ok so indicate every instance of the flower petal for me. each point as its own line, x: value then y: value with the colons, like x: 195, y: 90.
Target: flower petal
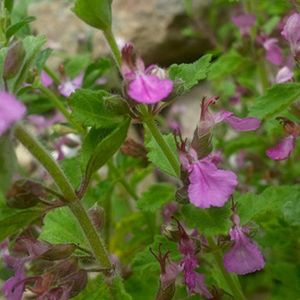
x: 46, y: 80
x: 210, y: 186
x: 284, y: 75
x: 11, y: 111
x: 291, y: 32
x: 149, y: 89
x: 283, y: 149
x: 244, y: 257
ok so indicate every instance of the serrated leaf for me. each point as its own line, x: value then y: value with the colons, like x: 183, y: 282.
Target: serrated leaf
x: 97, y: 108
x: 157, y: 156
x: 156, y: 196
x: 60, y: 227
x: 107, y: 148
x: 273, y: 198
x: 96, y: 13
x: 277, y: 99
x: 190, y: 74
x: 7, y: 162
x: 211, y: 221
x: 13, y: 29
x: 226, y: 65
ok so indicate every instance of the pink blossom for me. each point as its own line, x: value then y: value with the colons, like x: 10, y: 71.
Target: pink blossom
x: 283, y: 149
x: 244, y: 22
x: 144, y: 85
x: 244, y: 257
x: 291, y: 33
x: 11, y: 111
x: 68, y: 87
x: 284, y: 75
x: 209, y: 186
x: 41, y: 123
x: 273, y: 52
x: 46, y: 80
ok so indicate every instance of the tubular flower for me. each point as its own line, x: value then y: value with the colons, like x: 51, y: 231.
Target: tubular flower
x: 284, y: 75
x: 273, y: 52
x: 144, y: 85
x: 244, y: 22
x: 285, y: 147
x: 70, y: 86
x: 244, y: 257
x: 291, y: 33
x: 11, y: 111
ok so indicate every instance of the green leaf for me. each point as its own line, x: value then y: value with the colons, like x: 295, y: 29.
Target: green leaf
x: 42, y: 58
x: 13, y: 29
x: 277, y: 99
x: 107, y: 147
x: 71, y: 167
x: 118, y: 289
x: 190, y: 74
x: 13, y: 220
x: 97, y: 108
x: 7, y: 162
x: 273, y: 198
x: 157, y: 156
x: 60, y: 227
x: 9, y: 4
x: 226, y: 65
x: 96, y: 13
x: 156, y: 196
x: 209, y: 221
x: 75, y: 65
x: 32, y: 46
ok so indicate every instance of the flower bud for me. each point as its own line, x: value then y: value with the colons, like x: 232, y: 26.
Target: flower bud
x: 97, y: 216
x: 171, y: 231
x: 59, y: 251
x: 24, y: 194
x: 13, y: 61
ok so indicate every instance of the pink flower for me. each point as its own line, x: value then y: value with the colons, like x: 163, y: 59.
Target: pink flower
x: 144, y: 86
x: 273, y: 52
x: 70, y: 86
x: 209, y: 186
x: 244, y: 257
x: 284, y: 75
x: 209, y: 119
x: 11, y: 111
x: 291, y: 32
x: 46, y: 80
x: 244, y: 22
x: 283, y: 149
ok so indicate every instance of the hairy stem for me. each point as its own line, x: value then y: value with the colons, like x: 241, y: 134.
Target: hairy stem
x: 113, y: 46
x: 70, y: 197
x: 149, y: 122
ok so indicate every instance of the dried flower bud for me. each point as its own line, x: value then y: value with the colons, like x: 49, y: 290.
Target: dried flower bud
x: 97, y: 216
x: 171, y: 231
x: 134, y: 149
x: 59, y: 251
x: 181, y: 195
x: 24, y: 194
x: 14, y: 59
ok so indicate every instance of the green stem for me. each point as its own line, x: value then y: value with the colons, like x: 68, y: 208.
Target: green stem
x: 52, y: 74
x: 113, y: 46
x: 40, y: 153
x: 263, y: 76
x: 60, y: 106
x: 149, y: 121
x: 231, y: 280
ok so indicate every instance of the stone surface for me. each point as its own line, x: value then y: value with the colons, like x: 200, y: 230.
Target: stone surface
x: 154, y: 26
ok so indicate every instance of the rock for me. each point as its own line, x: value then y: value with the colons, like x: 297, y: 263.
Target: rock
x: 154, y: 26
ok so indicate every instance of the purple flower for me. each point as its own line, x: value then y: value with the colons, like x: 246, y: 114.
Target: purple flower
x: 209, y: 186
x: 244, y: 257
x: 209, y: 119
x: 144, y: 84
x: 291, y: 32
x: 239, y: 124
x: 244, y: 22
x: 14, y: 287
x: 273, y: 52
x: 46, y: 80
x: 11, y: 111
x: 283, y: 149
x: 284, y: 75
x: 68, y: 87
x: 41, y: 123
